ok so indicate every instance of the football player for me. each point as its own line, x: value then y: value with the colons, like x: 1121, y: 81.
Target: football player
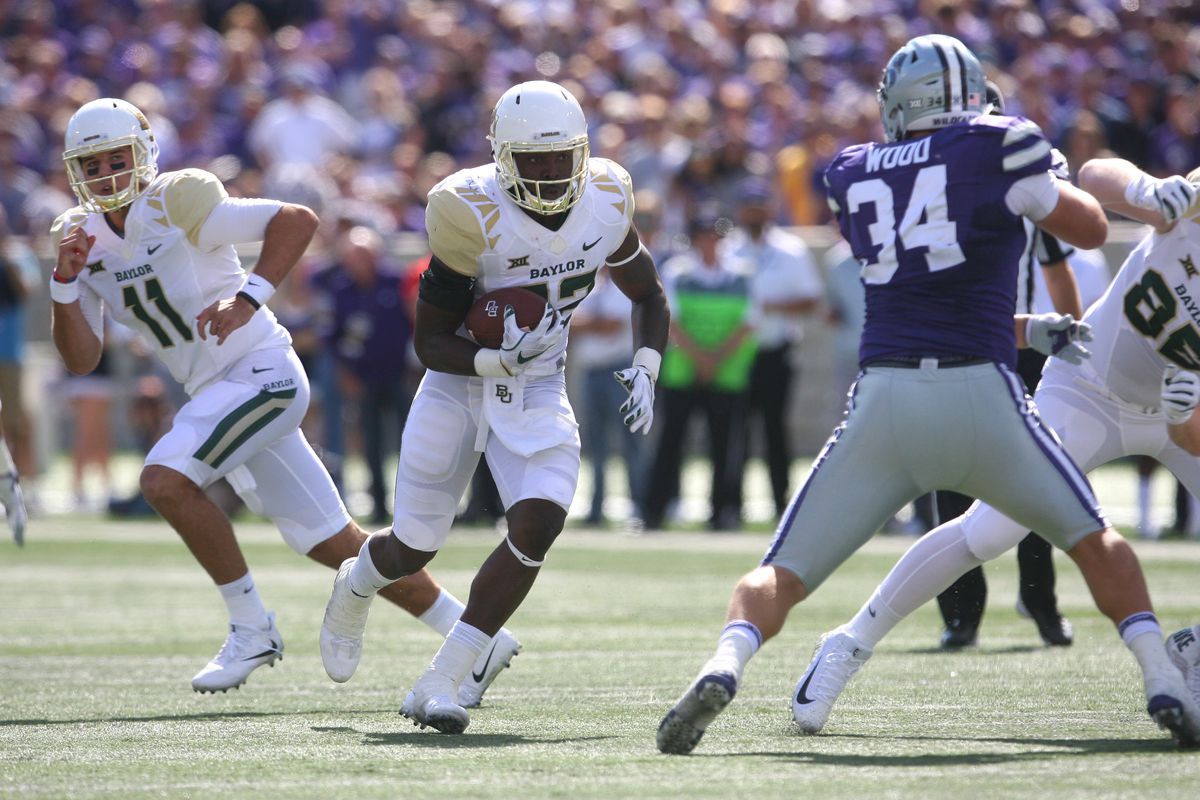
x: 157, y: 251
x: 546, y: 216
x: 1136, y: 395
x: 935, y: 217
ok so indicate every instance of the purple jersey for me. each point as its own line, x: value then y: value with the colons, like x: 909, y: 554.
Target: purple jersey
x: 939, y: 248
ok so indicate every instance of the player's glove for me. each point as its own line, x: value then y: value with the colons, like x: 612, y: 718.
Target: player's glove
x: 520, y: 347
x: 1059, y: 335
x: 1180, y: 394
x: 14, y: 506
x: 637, y: 412
x: 1171, y: 197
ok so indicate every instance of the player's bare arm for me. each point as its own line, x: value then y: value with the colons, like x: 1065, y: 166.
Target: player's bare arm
x: 76, y: 342
x: 445, y: 297
x: 287, y: 237
x: 1077, y: 218
x: 1121, y: 187
x: 638, y: 280
x: 1179, y: 396
x: 1063, y: 288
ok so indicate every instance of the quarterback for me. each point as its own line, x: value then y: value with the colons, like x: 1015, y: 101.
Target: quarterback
x: 1136, y: 395
x: 935, y: 215
x: 157, y: 253
x: 546, y: 216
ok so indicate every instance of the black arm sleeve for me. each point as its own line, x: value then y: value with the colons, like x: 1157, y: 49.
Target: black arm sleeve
x: 446, y: 289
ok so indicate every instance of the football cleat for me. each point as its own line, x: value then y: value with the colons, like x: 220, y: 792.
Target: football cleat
x: 1054, y: 628
x: 956, y: 637
x: 686, y: 722
x: 342, y: 630
x: 837, y: 658
x: 489, y: 664
x: 431, y: 703
x: 1183, y: 648
x: 245, y: 650
x: 14, y: 505
x: 1178, y: 715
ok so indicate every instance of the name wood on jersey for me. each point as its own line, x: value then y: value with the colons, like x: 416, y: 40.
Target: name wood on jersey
x: 888, y: 157
x: 557, y: 269
x: 136, y: 272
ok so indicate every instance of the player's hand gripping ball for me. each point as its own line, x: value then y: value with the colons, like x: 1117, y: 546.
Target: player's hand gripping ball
x: 485, y: 319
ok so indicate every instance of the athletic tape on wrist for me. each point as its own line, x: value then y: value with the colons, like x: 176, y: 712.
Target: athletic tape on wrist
x: 64, y: 293
x: 489, y: 365
x: 650, y: 360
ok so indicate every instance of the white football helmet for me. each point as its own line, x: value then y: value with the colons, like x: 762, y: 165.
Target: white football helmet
x: 102, y: 125
x: 931, y: 82
x: 539, y: 117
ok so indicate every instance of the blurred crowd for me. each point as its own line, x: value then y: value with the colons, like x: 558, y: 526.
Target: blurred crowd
x: 357, y: 107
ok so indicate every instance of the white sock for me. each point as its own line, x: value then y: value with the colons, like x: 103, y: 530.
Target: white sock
x: 739, y: 642
x: 244, y: 604
x: 454, y: 658
x: 1143, y: 501
x: 365, y: 580
x: 444, y: 612
x: 1144, y: 638
x: 873, y: 621
x: 935, y: 561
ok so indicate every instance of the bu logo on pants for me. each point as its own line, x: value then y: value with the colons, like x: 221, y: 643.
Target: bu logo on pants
x: 503, y: 393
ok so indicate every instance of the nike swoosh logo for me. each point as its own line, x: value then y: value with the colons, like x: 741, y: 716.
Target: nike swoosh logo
x: 870, y: 611
x: 521, y: 359
x: 802, y: 698
x: 587, y: 247
x: 257, y: 370
x: 274, y: 649
x: 478, y: 676
x: 356, y: 594
x: 152, y: 250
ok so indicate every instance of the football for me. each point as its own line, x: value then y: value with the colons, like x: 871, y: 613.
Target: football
x: 485, y: 319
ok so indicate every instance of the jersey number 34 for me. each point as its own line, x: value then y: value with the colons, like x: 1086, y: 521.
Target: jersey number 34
x: 938, y: 232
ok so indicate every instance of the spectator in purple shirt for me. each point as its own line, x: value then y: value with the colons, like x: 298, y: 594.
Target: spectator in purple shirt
x: 367, y: 329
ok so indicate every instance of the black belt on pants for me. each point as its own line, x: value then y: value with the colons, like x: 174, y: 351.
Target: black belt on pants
x: 927, y: 362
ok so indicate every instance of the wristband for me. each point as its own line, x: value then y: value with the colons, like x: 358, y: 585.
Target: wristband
x: 650, y: 360
x: 257, y: 289
x: 489, y: 365
x: 65, y: 293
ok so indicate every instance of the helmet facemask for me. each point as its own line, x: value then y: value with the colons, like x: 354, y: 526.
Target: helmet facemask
x: 532, y: 194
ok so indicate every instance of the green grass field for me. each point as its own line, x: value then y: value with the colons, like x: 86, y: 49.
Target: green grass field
x: 102, y: 625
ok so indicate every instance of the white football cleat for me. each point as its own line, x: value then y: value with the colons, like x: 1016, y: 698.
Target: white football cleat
x: 245, y: 650
x: 431, y: 703
x: 682, y: 727
x: 489, y: 664
x: 14, y: 506
x: 837, y: 657
x: 342, y: 630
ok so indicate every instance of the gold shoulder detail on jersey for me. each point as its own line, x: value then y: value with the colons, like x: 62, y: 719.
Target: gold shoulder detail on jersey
x: 65, y: 222
x: 613, y: 179
x: 188, y: 197
x: 456, y: 226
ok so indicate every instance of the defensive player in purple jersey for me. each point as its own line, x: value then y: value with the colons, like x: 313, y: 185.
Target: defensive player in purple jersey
x: 935, y: 217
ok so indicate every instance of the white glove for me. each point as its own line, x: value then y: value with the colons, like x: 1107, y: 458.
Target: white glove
x: 1059, y: 335
x: 638, y: 410
x: 14, y: 506
x: 1180, y: 394
x: 521, y: 347
x: 1171, y: 197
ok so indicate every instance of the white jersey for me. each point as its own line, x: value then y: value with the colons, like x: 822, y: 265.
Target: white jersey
x: 156, y: 280
x: 1148, y: 318
x: 475, y: 228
